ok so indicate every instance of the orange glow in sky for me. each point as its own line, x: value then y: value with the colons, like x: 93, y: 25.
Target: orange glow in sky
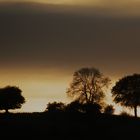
x: 41, y: 87
x: 38, y: 88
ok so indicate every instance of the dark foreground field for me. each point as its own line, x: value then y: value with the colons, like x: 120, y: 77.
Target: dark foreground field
x: 68, y: 126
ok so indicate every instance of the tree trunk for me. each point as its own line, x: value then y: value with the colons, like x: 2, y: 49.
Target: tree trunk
x: 135, y: 111
x: 6, y: 111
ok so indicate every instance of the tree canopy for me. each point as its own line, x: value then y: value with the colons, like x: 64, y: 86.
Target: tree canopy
x: 109, y: 109
x: 88, y: 85
x: 127, y: 92
x: 11, y: 98
x: 55, y: 107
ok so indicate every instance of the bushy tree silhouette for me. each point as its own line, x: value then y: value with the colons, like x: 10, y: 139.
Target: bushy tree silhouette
x: 125, y: 114
x: 87, y: 86
x: 74, y: 106
x: 92, y: 108
x: 10, y: 98
x: 55, y: 107
x: 109, y: 109
x: 127, y: 92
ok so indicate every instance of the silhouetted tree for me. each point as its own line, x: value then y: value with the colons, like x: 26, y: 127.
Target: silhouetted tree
x: 74, y: 106
x: 109, y: 109
x: 92, y: 108
x: 125, y: 114
x: 127, y: 92
x: 10, y: 98
x: 55, y: 107
x: 87, y: 86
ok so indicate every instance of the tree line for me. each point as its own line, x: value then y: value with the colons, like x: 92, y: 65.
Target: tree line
x: 87, y: 90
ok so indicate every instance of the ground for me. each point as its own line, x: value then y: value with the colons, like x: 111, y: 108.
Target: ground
x: 68, y: 126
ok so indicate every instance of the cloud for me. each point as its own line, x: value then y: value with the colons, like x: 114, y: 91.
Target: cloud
x: 32, y: 37
x: 94, y: 2
x: 81, y: 2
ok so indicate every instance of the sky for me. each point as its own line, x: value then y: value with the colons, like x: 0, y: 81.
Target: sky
x: 43, y: 42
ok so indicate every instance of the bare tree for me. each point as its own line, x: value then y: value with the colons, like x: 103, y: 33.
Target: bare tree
x: 88, y: 86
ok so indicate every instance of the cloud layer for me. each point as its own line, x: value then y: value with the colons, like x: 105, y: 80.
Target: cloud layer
x: 38, y: 36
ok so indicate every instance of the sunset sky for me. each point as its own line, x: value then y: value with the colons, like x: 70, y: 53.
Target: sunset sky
x: 42, y: 42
